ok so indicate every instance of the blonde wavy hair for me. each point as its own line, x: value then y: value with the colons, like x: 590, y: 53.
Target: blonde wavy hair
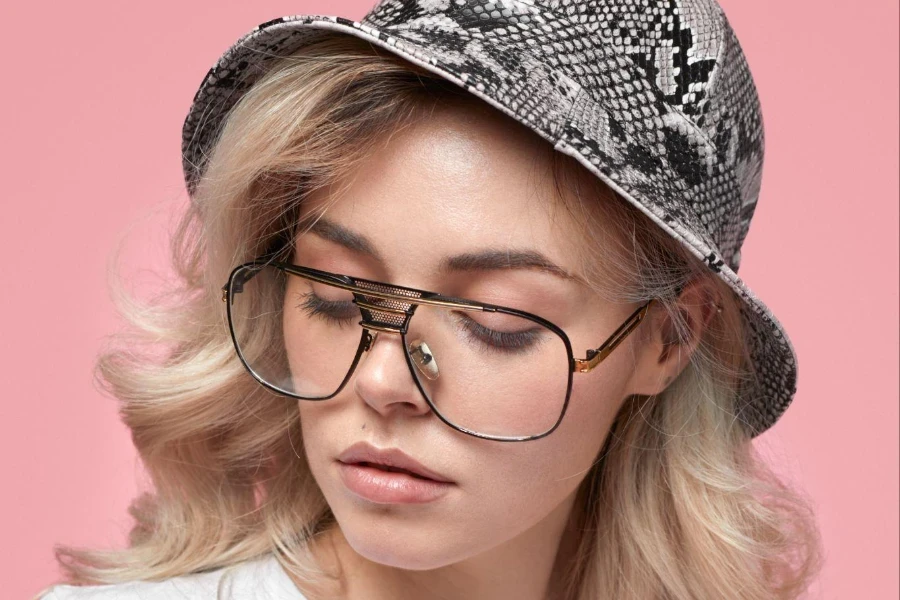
x: 678, y: 504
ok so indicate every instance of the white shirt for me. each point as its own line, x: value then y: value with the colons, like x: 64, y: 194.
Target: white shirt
x: 261, y: 579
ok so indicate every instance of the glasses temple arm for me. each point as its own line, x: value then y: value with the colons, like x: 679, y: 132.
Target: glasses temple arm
x: 595, y: 357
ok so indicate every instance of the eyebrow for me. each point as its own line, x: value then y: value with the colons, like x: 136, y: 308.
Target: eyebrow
x: 483, y: 260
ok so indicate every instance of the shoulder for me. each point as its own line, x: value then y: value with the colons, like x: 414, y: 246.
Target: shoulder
x: 262, y: 579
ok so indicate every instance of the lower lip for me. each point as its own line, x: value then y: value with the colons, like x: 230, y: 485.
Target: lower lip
x: 386, y: 487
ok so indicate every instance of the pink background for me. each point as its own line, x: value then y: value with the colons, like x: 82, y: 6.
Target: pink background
x: 93, y: 105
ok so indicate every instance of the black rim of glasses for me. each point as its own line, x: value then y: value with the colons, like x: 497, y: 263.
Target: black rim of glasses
x: 360, y: 288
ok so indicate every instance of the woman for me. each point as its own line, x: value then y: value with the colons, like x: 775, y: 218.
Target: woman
x: 455, y: 360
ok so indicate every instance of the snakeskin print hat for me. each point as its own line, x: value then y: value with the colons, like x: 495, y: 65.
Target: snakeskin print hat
x: 652, y: 96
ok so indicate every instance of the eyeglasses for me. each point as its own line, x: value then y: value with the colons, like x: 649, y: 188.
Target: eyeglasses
x: 489, y: 371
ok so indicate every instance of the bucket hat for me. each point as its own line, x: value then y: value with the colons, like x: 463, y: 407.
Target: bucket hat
x: 654, y: 97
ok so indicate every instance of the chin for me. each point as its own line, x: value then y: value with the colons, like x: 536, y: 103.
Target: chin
x: 410, y: 546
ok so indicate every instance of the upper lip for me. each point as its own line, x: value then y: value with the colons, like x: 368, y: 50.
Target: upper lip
x: 391, y: 457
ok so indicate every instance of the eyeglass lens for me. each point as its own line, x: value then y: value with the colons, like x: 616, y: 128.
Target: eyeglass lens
x: 491, y: 373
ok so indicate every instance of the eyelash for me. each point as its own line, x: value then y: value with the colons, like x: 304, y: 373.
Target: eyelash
x: 326, y: 310
x: 500, y: 341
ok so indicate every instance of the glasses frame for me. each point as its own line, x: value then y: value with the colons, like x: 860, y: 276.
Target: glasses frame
x: 593, y: 357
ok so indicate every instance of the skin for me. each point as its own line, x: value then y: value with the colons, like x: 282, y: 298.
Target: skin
x: 464, y: 179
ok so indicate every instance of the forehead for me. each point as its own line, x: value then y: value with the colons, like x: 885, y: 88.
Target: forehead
x: 460, y: 179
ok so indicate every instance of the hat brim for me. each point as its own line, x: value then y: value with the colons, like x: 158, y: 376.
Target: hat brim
x: 557, y: 109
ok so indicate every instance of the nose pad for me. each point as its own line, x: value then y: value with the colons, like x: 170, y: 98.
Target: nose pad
x: 381, y: 389
x: 423, y: 359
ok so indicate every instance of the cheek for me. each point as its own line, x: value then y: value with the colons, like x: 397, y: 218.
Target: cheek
x: 555, y: 465
x: 518, y: 484
x: 596, y: 399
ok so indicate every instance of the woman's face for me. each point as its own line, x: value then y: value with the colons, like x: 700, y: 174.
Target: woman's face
x: 460, y: 181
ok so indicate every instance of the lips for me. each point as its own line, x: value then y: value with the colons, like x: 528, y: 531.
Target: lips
x: 390, y: 469
x: 388, y: 459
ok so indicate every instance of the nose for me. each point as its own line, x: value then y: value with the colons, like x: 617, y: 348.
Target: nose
x: 382, y: 377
